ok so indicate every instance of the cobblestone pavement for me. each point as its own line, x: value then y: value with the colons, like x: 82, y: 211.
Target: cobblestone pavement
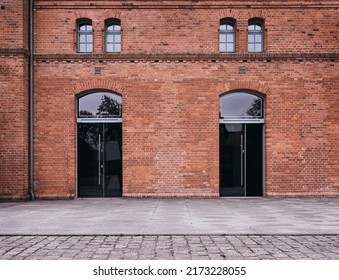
x: 214, y: 247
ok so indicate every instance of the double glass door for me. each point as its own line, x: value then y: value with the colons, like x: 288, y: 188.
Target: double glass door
x: 241, y: 159
x: 99, y: 159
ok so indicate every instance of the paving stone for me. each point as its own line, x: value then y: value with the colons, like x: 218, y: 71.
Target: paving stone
x: 165, y: 247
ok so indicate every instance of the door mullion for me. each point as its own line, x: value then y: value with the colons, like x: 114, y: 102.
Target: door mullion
x: 99, y: 160
x: 103, y: 160
x: 244, y: 162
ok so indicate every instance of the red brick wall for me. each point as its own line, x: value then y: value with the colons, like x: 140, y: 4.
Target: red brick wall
x: 287, y: 28
x: 13, y: 100
x: 13, y: 31
x: 170, y: 75
x: 171, y: 124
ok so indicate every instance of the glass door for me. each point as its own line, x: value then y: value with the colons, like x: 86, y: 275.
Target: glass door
x: 112, y: 159
x: 232, y: 160
x: 241, y: 119
x: 241, y: 160
x: 99, y: 159
x: 254, y: 160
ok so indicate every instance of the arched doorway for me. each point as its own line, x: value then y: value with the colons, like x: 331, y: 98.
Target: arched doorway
x: 99, y: 145
x: 241, y: 122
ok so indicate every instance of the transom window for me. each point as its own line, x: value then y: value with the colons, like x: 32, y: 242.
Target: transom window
x: 227, y: 35
x: 255, y: 35
x: 241, y: 105
x: 113, y: 36
x: 100, y: 105
x: 85, y: 36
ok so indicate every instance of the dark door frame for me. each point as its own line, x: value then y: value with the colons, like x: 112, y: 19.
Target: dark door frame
x: 246, y: 122
x: 101, y: 153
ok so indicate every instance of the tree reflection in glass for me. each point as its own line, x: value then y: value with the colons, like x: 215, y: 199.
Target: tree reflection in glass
x: 100, y: 105
x: 256, y: 108
x: 240, y: 105
x: 108, y: 107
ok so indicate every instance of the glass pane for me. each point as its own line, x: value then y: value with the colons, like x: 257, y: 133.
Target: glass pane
x: 229, y: 27
x: 83, y: 27
x: 117, y: 27
x: 109, y: 38
x: 254, y: 160
x: 240, y: 105
x: 117, y: 38
x: 109, y: 27
x: 230, y: 47
x: 250, y: 38
x: 89, y: 47
x: 88, y: 160
x: 231, y: 160
x: 113, y: 159
x: 89, y: 38
x: 257, y: 27
x: 109, y: 47
x: 222, y: 38
x: 258, y: 38
x: 99, y: 159
x: 258, y: 47
x: 251, y: 27
x: 82, y: 38
x: 223, y: 27
x: 100, y: 105
x: 222, y: 47
x: 230, y: 38
x: 117, y: 48
x: 251, y: 47
x: 82, y: 47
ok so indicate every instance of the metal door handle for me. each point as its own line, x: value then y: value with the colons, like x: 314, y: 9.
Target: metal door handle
x: 241, y: 160
x: 99, y: 160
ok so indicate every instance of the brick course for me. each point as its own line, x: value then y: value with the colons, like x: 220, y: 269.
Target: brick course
x: 170, y: 75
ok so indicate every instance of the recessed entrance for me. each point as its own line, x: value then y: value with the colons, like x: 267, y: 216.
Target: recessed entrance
x: 99, y: 155
x: 241, y: 144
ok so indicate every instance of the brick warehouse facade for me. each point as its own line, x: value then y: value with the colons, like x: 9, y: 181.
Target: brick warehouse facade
x: 171, y: 73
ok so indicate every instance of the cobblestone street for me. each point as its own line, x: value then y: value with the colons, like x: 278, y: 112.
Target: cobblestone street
x: 214, y: 247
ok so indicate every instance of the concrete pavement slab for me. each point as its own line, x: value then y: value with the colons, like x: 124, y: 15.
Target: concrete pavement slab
x: 171, y: 216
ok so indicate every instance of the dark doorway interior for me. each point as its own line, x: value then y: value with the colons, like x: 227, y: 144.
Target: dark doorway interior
x: 241, y: 160
x: 99, y: 159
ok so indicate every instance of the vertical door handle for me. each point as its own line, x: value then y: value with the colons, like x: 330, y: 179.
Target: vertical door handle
x: 241, y: 160
x: 99, y: 160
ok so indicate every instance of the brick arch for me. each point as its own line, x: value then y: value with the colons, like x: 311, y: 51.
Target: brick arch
x: 93, y: 85
x: 251, y: 86
x: 257, y: 14
x: 112, y: 14
x: 228, y: 14
x: 83, y: 14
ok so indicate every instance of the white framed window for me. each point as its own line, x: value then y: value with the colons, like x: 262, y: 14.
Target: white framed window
x: 255, y: 36
x: 113, y: 36
x: 85, y: 36
x: 227, y: 35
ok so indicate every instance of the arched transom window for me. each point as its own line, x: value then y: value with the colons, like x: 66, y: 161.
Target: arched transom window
x: 241, y: 105
x: 100, y: 105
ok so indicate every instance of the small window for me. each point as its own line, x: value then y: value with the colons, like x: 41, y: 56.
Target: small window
x: 113, y: 36
x: 255, y: 36
x: 85, y: 36
x: 100, y: 105
x: 241, y: 105
x: 227, y: 35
